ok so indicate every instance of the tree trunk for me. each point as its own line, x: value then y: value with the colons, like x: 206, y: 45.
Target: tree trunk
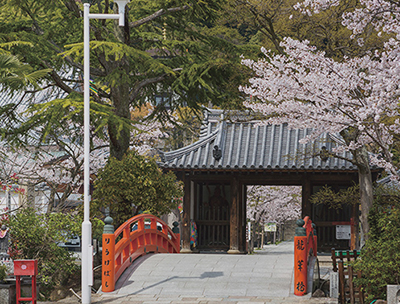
x: 120, y: 138
x: 253, y: 235
x: 366, y: 189
x: 50, y: 206
x: 361, y: 160
x: 258, y: 235
x: 262, y: 238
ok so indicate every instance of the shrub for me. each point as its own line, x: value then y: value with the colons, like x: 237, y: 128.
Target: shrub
x: 3, y: 272
x: 380, y: 257
x: 135, y: 184
x: 35, y: 236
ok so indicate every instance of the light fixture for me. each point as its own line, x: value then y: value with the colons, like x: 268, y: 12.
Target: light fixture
x: 121, y: 10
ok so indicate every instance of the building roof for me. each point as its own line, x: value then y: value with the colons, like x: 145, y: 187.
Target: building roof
x: 236, y: 144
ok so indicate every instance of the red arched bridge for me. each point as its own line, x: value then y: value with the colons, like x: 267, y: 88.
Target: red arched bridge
x: 138, y: 236
x: 269, y: 273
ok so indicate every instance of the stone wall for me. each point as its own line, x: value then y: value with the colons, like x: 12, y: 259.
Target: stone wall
x: 7, y: 294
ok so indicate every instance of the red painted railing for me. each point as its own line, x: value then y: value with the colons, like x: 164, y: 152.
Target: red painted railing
x: 305, y: 246
x: 138, y: 236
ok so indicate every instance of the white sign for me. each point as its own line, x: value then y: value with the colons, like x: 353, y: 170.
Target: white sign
x: 343, y: 232
x: 270, y: 227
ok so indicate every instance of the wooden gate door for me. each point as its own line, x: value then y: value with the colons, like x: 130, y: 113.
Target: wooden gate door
x: 212, y: 216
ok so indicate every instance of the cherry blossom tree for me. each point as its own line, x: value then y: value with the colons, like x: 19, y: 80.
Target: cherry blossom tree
x: 272, y: 204
x: 58, y: 163
x: 355, y: 100
x: 59, y: 171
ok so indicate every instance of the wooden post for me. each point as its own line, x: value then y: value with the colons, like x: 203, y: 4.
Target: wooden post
x: 306, y: 193
x: 333, y: 257
x: 242, y: 219
x: 108, y: 257
x: 186, y: 218
x: 234, y: 218
x: 351, y: 284
x: 342, y: 295
x: 300, y: 259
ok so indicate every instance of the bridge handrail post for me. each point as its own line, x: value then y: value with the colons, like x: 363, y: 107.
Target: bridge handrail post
x: 108, y: 256
x: 153, y: 223
x: 126, y: 232
x: 140, y: 224
x: 165, y: 229
x: 176, y: 231
x: 300, y: 259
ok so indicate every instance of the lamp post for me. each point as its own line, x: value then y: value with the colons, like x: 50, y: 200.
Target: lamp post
x: 87, y: 248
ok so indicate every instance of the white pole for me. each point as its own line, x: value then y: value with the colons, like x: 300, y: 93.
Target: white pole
x: 87, y: 267
x: 87, y: 248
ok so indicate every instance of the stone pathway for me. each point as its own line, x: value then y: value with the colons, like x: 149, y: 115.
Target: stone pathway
x: 266, y: 276
x: 269, y: 273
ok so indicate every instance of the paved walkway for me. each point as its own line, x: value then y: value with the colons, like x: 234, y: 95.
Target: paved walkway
x: 266, y: 276
x: 268, y: 273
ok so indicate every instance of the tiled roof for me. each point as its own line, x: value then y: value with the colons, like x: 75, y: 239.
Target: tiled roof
x: 229, y: 145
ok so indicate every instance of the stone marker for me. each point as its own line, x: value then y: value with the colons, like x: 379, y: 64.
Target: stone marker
x: 393, y: 294
x: 334, y: 285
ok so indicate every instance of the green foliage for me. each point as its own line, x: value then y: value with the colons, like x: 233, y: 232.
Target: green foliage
x: 15, y: 75
x: 380, y: 257
x: 97, y: 229
x: 3, y: 272
x: 135, y: 184
x: 52, y: 117
x: 166, y: 47
x: 35, y: 236
x: 266, y: 23
x: 336, y: 199
x: 185, y: 132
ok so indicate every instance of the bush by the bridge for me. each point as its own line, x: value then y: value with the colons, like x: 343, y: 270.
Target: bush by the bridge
x: 35, y: 236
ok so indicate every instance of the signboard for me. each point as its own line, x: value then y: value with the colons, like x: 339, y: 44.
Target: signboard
x: 270, y: 227
x: 343, y: 232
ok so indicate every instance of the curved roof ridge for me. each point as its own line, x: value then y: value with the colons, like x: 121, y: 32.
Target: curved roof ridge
x: 196, y: 145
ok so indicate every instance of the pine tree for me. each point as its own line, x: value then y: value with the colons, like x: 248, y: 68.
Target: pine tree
x: 165, y: 49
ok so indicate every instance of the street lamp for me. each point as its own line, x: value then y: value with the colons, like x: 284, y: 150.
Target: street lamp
x: 87, y: 248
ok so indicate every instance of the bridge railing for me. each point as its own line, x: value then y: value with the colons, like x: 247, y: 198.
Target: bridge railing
x: 138, y: 236
x: 305, y: 254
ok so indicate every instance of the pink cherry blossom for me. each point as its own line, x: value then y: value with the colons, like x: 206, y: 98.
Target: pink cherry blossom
x: 273, y: 204
x: 306, y: 89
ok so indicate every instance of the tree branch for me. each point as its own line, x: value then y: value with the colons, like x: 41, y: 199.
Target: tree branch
x: 58, y: 80
x: 72, y: 7
x: 135, y: 92
x: 156, y: 15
